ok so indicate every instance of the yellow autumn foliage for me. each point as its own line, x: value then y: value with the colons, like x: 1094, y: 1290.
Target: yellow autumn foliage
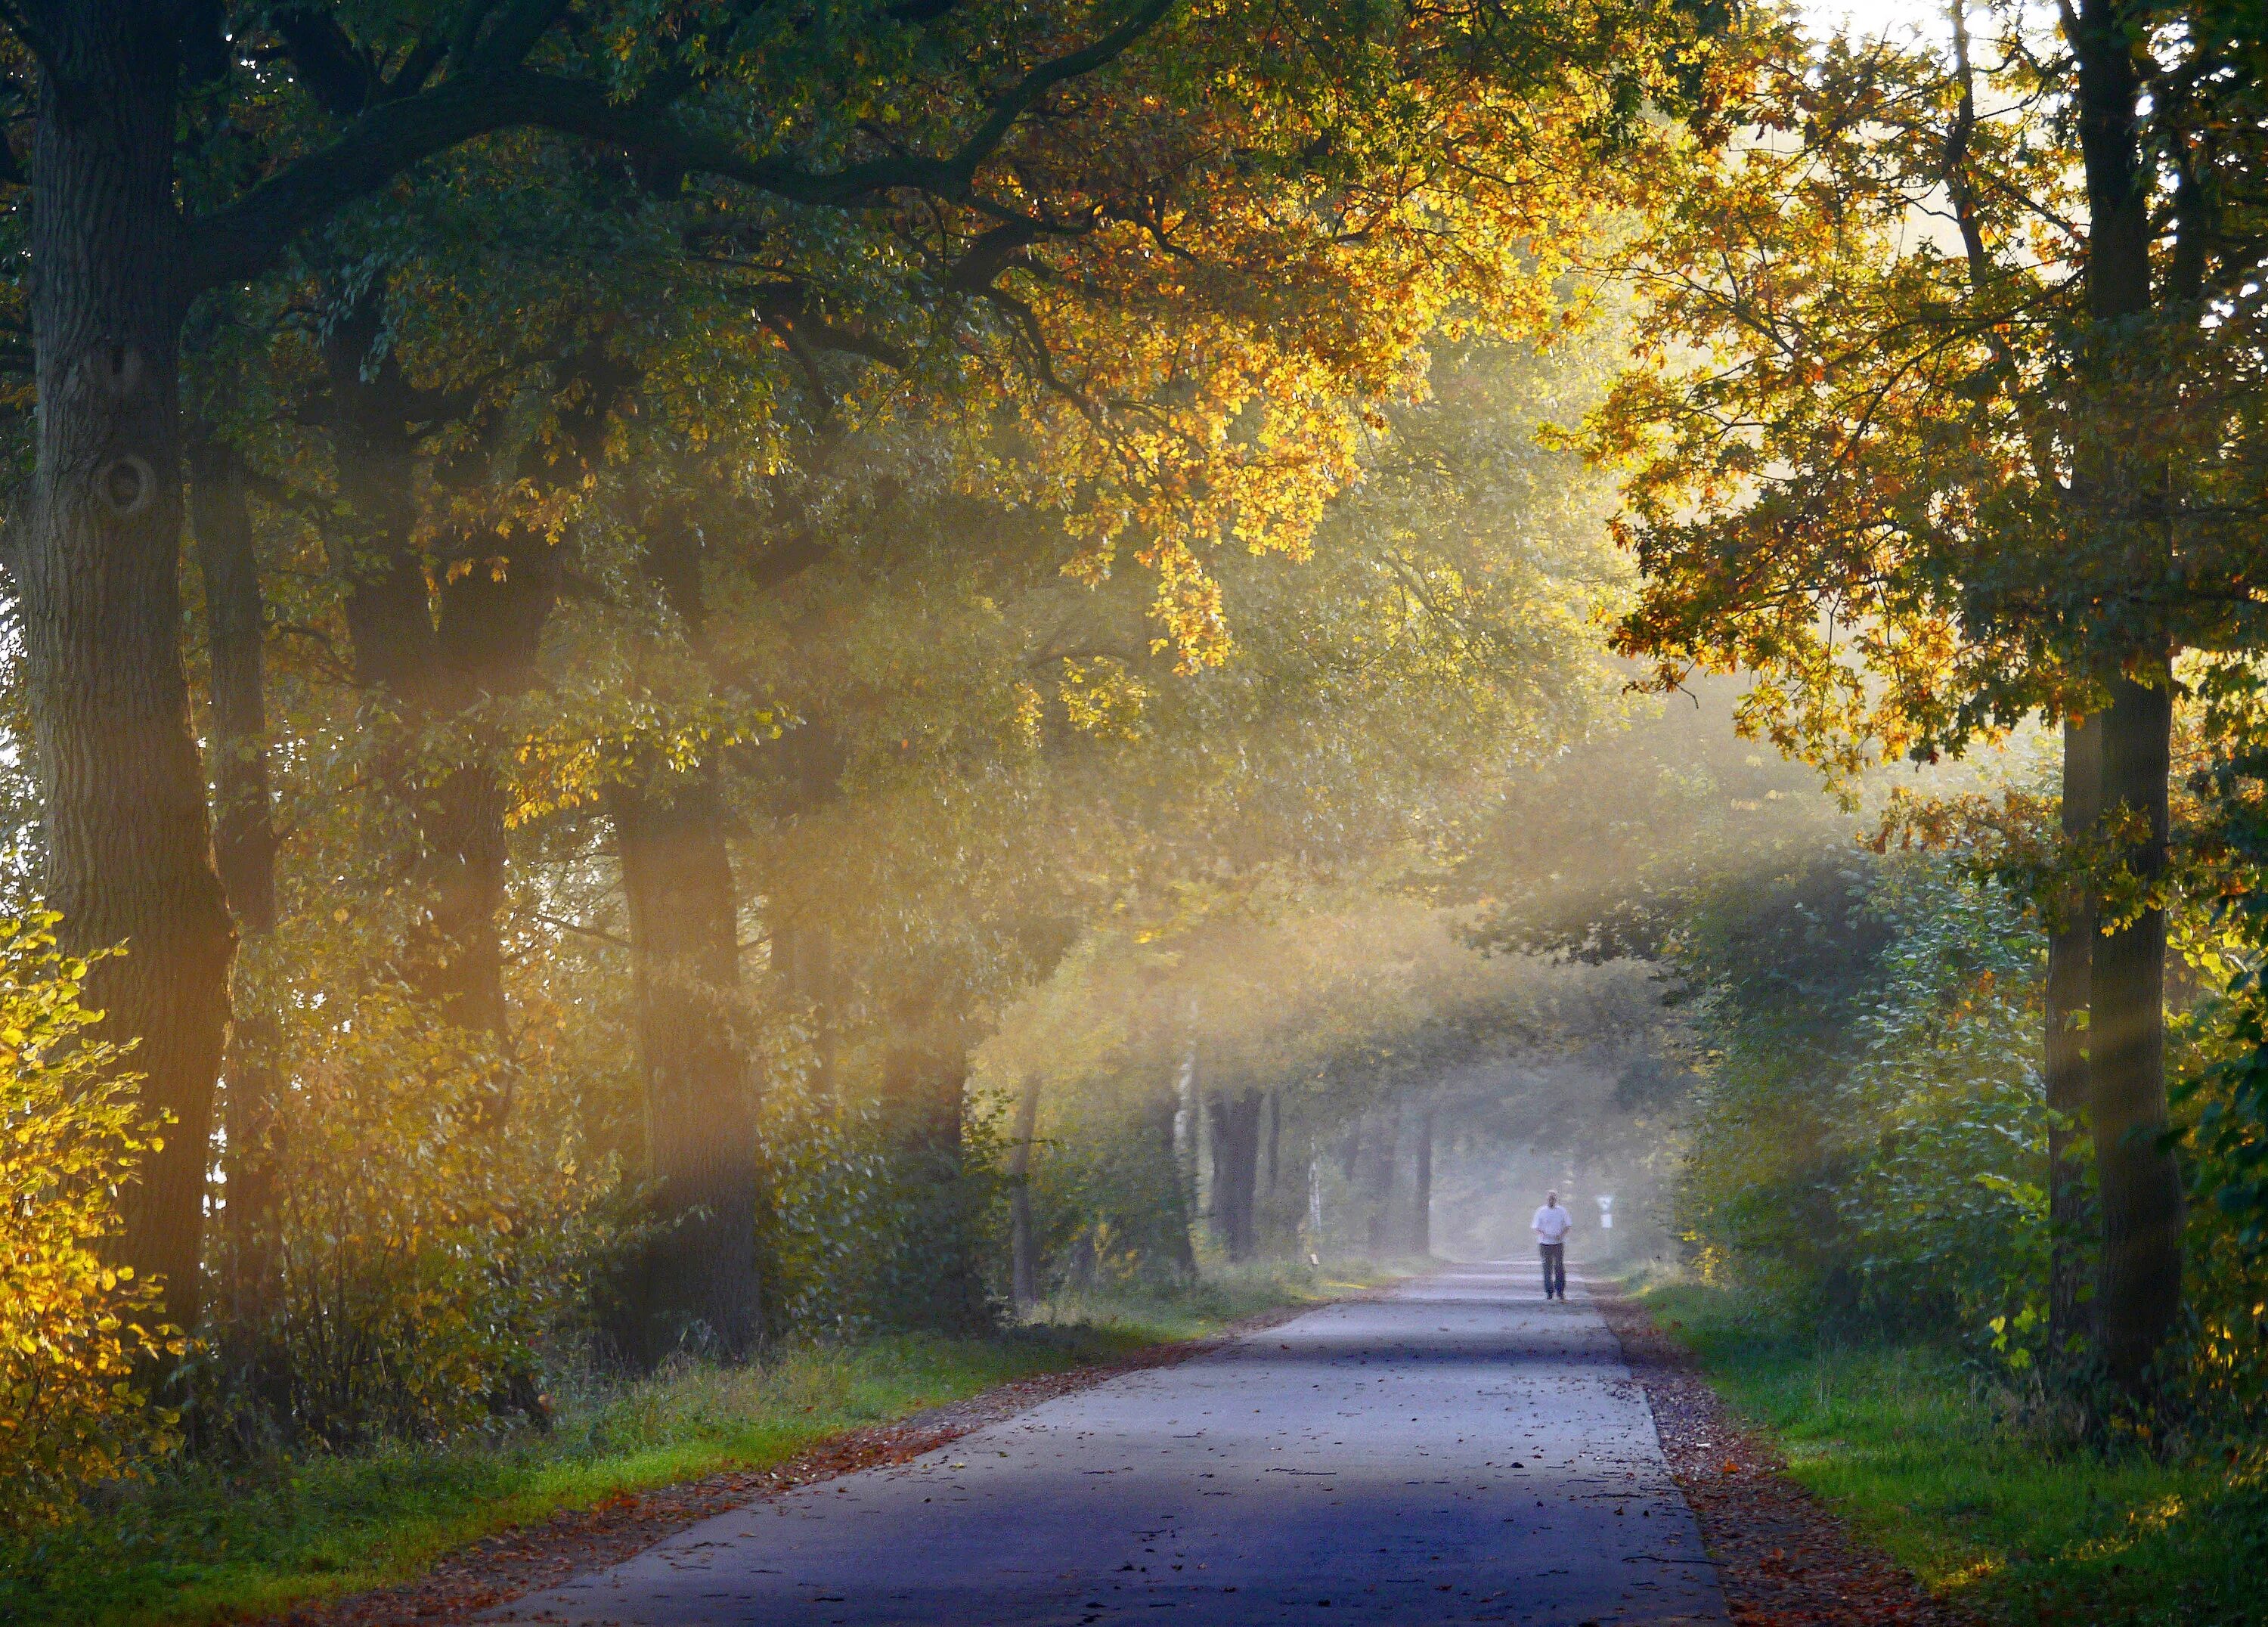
x: 438, y: 1210
x: 73, y: 1328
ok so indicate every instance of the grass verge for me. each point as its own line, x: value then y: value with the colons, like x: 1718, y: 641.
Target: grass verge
x: 202, y: 1545
x: 1942, y: 1473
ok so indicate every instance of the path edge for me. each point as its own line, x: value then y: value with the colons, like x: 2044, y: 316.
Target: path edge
x: 1784, y: 1558
x: 542, y: 1554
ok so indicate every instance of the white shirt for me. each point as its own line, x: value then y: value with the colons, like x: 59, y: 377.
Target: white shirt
x: 1553, y: 1223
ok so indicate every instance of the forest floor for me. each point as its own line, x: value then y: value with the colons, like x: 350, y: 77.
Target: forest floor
x: 1832, y: 1477
x: 411, y: 1534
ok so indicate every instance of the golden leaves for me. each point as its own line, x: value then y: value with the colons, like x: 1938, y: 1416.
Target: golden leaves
x: 71, y: 1327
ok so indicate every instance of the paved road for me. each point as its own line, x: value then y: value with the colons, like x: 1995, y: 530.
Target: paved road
x: 1456, y: 1451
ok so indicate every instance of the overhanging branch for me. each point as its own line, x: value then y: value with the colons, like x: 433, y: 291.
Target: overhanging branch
x: 243, y: 240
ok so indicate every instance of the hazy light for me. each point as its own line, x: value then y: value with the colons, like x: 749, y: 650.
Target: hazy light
x: 1878, y: 17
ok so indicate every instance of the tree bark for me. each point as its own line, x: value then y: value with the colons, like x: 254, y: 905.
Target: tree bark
x: 2140, y: 1184
x: 2070, y: 956
x: 441, y: 655
x: 1023, y: 1245
x: 701, y: 1094
x: 1383, y: 1147
x: 455, y: 822
x: 388, y: 601
x: 244, y: 852
x: 702, y: 1288
x: 1421, y: 1193
x: 95, y: 554
x: 486, y: 640
x: 2141, y: 1284
x: 1235, y: 1171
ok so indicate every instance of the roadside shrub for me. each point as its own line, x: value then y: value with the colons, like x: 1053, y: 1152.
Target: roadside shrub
x: 863, y: 1231
x: 74, y: 1328
x: 438, y: 1219
x: 2221, y: 1064
x: 1775, y: 972
x: 1947, y: 1206
x: 1870, y: 1135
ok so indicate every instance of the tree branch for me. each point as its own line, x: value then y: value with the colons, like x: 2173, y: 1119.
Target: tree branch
x: 524, y: 22
x: 579, y: 928
x: 243, y: 238
x: 1027, y: 91
x: 33, y: 38
x: 325, y: 61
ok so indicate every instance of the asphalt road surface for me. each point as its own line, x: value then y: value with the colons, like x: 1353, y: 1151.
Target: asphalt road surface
x: 1458, y: 1451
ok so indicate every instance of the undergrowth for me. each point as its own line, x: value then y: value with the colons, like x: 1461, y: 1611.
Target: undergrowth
x: 1968, y: 1485
x: 204, y: 1544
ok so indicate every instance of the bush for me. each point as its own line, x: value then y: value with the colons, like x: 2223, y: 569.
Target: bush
x: 75, y: 1327
x: 863, y: 1231
x: 1870, y: 1137
x: 1946, y: 1211
x: 438, y: 1219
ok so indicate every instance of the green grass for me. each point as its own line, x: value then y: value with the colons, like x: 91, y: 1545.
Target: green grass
x: 198, y: 1545
x: 1985, y: 1508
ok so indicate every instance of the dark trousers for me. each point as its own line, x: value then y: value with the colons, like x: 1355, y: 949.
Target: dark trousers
x: 1555, y: 1270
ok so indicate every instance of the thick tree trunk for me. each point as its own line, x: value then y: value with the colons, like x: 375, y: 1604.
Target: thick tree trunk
x: 456, y: 819
x: 2070, y: 955
x: 244, y: 852
x: 441, y: 661
x: 488, y: 634
x: 461, y: 970
x: 95, y: 553
x: 388, y: 601
x: 1236, y: 1171
x: 1023, y: 1245
x: 702, y: 1287
x: 2140, y: 1184
x: 1421, y: 1191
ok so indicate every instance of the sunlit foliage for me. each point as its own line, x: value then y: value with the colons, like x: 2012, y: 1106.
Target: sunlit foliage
x: 77, y: 1332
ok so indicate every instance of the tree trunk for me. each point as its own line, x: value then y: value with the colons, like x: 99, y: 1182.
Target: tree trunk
x: 2141, y: 1197
x: 456, y: 820
x: 388, y: 601
x: 1275, y: 1140
x: 804, y: 965
x: 1235, y: 1171
x: 1421, y: 1195
x: 244, y: 852
x: 2140, y: 1184
x: 1383, y: 1147
x: 1166, y: 1107
x: 95, y: 553
x: 924, y: 1088
x: 1023, y: 1246
x: 486, y: 640
x: 2069, y: 954
x: 701, y: 1287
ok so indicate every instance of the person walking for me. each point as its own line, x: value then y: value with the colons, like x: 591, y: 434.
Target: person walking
x: 1552, y: 1225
